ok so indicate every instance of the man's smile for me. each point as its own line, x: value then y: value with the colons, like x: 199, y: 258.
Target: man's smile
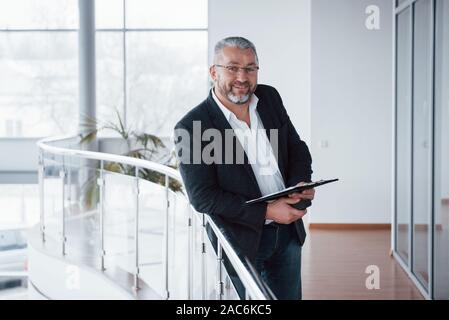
x: 240, y: 88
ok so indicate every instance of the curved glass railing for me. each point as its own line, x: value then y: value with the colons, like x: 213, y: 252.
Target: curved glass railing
x: 123, y: 224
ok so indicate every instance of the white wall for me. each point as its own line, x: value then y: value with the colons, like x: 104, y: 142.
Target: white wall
x: 351, y: 111
x: 335, y: 78
x: 18, y: 160
x: 18, y: 154
x: 281, y: 34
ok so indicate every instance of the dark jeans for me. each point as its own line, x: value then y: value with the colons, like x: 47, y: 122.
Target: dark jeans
x: 279, y: 261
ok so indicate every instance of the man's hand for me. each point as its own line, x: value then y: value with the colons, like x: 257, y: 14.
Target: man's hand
x: 281, y: 212
x: 306, y: 194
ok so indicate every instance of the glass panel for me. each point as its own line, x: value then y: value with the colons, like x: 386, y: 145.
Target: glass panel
x: 211, y: 271
x: 82, y: 218
x: 109, y: 65
x: 152, y: 235
x: 53, y: 202
x: 39, y: 14
x: 232, y: 282
x: 197, y: 280
x: 166, y: 14
x: 20, y: 211
x: 109, y: 14
x: 441, y: 199
x: 20, y: 205
x: 230, y: 292
x: 13, y: 252
x: 179, y: 245
x: 119, y: 221
x: 166, y: 77
x: 41, y: 70
x: 422, y: 139
x: 229, y: 275
x: 403, y: 134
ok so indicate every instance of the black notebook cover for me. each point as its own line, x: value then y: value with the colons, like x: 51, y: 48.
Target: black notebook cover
x: 287, y: 191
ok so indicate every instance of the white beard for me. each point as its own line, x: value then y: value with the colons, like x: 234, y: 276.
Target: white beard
x: 239, y: 100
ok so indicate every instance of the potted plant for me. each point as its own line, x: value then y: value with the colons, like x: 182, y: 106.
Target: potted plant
x: 139, y: 145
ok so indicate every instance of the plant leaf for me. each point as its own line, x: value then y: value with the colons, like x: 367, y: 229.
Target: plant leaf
x: 89, y: 137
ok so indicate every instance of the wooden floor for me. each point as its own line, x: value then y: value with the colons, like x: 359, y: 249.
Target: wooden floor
x: 334, y: 264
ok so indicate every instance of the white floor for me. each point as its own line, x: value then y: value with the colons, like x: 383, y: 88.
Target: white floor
x: 83, y: 234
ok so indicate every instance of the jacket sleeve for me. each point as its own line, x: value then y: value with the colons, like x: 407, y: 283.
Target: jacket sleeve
x: 204, y: 192
x: 299, y: 166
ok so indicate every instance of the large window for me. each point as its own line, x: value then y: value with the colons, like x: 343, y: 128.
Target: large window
x: 39, y: 69
x: 151, y: 64
x: 151, y: 61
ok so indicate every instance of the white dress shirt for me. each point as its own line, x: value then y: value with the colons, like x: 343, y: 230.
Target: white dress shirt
x: 257, y: 147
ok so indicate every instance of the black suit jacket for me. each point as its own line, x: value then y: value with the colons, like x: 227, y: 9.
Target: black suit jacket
x: 221, y: 190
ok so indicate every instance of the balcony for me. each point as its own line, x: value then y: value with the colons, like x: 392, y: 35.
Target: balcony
x: 108, y: 235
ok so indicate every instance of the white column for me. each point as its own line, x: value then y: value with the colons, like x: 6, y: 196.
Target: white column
x: 86, y: 41
x: 87, y: 89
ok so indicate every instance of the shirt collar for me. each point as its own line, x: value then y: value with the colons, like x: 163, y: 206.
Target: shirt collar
x: 228, y: 113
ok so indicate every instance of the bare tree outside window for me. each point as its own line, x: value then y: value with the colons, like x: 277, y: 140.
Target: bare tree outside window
x: 164, y: 72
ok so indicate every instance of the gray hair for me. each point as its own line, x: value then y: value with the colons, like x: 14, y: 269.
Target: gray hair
x: 238, y: 42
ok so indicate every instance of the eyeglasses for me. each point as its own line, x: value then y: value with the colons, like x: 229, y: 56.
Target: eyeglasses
x: 234, y: 69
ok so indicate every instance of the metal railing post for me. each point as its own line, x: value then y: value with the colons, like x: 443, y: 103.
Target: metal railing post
x: 100, y: 183
x: 41, y: 173
x: 62, y: 175
x: 136, y: 241
x: 190, y: 256
x: 219, y: 271
x: 167, y: 206
x: 203, y: 258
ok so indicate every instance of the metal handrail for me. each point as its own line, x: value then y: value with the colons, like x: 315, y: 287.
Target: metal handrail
x: 253, y: 291
x: 92, y: 155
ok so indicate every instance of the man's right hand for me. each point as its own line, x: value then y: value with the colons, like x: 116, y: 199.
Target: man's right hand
x: 281, y: 212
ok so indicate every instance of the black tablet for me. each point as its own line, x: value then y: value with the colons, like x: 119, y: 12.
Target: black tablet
x: 287, y: 191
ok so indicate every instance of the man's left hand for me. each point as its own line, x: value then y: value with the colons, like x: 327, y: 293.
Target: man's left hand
x: 306, y: 194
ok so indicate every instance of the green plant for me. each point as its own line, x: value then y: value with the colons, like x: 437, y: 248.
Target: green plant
x: 138, y: 145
